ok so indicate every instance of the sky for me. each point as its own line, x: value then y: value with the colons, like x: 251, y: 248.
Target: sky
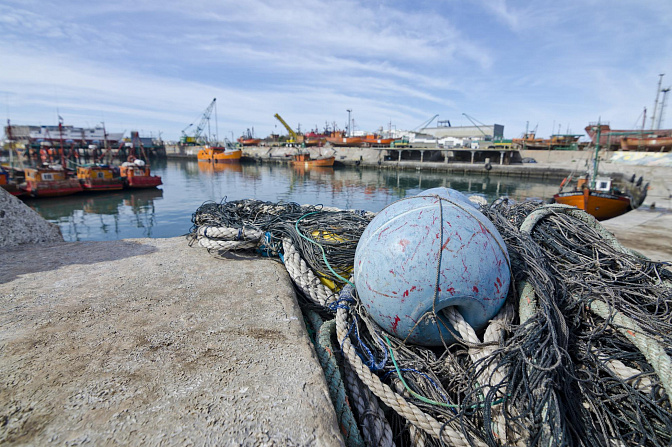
x: 155, y: 65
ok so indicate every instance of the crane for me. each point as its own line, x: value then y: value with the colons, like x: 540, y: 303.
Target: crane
x: 198, y: 133
x: 474, y: 121
x: 426, y: 123
x: 295, y: 138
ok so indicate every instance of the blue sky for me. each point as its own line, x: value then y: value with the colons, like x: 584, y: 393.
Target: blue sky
x: 154, y: 66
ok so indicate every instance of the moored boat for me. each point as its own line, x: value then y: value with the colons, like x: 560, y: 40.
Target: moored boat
x: 49, y: 181
x: 8, y: 184
x: 371, y: 140
x: 305, y: 159
x: 248, y: 139
x: 220, y: 154
x: 341, y: 139
x: 647, y: 144
x: 99, y: 178
x: 599, y: 196
x: 137, y: 174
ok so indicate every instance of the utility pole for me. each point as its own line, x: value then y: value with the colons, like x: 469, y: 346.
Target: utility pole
x: 655, y: 104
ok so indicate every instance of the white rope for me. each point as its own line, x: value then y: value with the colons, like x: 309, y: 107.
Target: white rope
x: 230, y: 234
x: 425, y: 422
x: 490, y: 376
x: 226, y: 245
x: 304, y: 278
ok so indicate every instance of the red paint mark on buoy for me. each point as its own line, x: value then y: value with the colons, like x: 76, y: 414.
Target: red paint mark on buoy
x: 451, y: 291
x: 413, y: 288
x: 475, y: 289
x: 499, y: 281
x: 405, y: 294
x: 404, y: 243
x: 396, y: 322
x: 443, y: 247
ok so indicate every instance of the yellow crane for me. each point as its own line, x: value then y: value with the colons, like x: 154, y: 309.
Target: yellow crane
x: 294, y: 137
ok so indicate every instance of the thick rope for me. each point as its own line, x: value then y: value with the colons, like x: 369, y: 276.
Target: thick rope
x: 304, y: 278
x: 375, y: 427
x: 442, y: 432
x: 325, y: 353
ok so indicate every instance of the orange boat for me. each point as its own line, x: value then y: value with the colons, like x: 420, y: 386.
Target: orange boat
x: 647, y: 144
x: 219, y: 154
x: 247, y: 139
x: 49, y: 181
x: 8, y: 184
x: 340, y: 139
x: 602, y: 204
x: 305, y: 160
x: 598, y: 196
x: 99, y: 178
x: 376, y: 140
x: 136, y: 174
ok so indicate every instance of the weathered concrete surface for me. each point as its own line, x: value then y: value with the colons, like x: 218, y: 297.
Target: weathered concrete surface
x: 21, y: 225
x: 153, y: 342
x: 647, y: 231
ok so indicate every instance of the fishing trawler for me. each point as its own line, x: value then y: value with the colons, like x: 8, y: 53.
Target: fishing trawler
x: 49, y: 181
x: 137, y: 174
x: 339, y: 138
x: 99, y: 178
x: 305, y: 159
x: 599, y: 196
x: 227, y: 153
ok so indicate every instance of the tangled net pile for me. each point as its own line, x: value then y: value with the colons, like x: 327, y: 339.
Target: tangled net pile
x: 579, y: 355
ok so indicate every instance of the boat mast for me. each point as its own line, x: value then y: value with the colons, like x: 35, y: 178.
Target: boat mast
x: 596, y: 158
x: 347, y: 134
x: 662, y: 107
x: 655, y: 104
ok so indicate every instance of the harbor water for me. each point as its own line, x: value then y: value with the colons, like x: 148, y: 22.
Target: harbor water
x: 166, y: 211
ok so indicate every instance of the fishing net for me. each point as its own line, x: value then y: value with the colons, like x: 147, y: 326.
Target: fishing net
x: 578, y: 355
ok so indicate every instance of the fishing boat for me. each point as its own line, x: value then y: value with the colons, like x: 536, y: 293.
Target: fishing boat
x: 371, y: 140
x: 304, y: 159
x: 49, y: 181
x: 99, y: 178
x: 137, y: 174
x: 220, y: 154
x: 599, y: 196
x: 8, y: 184
x: 647, y: 144
x: 339, y: 138
x: 248, y: 139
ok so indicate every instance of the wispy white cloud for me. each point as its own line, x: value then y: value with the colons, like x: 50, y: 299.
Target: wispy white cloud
x: 157, y: 64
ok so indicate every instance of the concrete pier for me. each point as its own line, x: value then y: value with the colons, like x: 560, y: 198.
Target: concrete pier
x: 152, y: 342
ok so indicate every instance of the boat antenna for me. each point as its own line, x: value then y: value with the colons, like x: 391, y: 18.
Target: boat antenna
x: 655, y: 104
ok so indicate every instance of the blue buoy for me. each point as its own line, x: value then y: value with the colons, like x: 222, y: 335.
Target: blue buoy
x: 425, y: 253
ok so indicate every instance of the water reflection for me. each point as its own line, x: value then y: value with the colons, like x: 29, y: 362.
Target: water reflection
x: 102, y: 216
x: 187, y: 184
x: 211, y: 168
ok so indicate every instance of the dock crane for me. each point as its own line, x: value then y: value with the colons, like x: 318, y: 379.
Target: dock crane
x: 198, y: 136
x: 295, y: 138
x: 486, y: 137
x: 426, y: 123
